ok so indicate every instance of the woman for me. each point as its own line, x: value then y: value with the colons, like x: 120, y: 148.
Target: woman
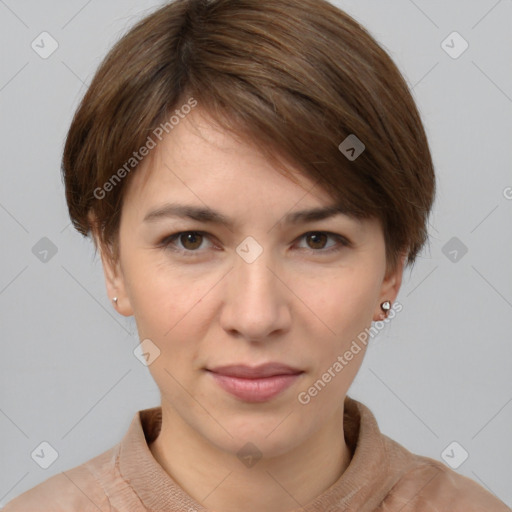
x: 256, y: 176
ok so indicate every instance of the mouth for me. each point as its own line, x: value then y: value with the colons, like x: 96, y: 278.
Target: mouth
x: 255, y: 383
x: 255, y: 372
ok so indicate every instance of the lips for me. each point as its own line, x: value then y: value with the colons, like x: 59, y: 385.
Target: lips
x: 255, y: 383
x: 255, y: 372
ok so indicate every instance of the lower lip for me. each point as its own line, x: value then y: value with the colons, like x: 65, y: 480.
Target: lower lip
x: 255, y: 390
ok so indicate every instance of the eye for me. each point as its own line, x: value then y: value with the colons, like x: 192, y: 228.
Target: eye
x: 190, y: 240
x: 316, y: 241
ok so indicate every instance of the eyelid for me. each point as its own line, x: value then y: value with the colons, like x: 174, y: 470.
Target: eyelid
x: 343, y: 242
x: 168, y: 241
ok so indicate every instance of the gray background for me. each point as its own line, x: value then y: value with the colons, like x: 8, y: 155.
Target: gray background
x: 440, y: 372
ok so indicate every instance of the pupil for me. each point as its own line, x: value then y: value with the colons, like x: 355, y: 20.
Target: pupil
x: 190, y: 237
x: 315, y: 237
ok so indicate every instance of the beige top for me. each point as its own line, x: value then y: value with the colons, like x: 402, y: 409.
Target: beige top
x: 382, y: 476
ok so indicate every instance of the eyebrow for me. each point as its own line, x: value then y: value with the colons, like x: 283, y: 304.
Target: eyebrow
x: 203, y: 214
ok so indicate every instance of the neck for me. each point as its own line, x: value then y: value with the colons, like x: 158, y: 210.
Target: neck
x: 217, y: 479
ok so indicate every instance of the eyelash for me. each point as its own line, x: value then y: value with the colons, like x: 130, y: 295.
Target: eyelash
x: 168, y: 242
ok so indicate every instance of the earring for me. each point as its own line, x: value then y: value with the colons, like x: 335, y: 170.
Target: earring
x: 385, y: 306
x: 114, y: 300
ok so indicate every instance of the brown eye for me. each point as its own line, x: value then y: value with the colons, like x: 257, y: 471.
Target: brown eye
x: 185, y: 242
x: 318, y: 240
x: 324, y: 242
x: 191, y: 240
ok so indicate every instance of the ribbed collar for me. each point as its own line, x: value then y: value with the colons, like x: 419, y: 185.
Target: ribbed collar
x: 367, y: 478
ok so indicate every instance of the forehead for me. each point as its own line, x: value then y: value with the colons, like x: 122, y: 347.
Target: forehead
x: 201, y: 161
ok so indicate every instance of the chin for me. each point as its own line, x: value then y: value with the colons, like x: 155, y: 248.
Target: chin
x: 268, y: 439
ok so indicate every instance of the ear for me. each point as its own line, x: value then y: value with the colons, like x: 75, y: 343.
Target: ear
x: 390, y: 287
x: 115, y: 283
x: 114, y: 278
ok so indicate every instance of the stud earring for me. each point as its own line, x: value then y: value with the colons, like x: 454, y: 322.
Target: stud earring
x: 114, y: 300
x: 385, y: 306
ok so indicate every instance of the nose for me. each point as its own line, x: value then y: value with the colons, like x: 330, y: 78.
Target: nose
x: 256, y: 305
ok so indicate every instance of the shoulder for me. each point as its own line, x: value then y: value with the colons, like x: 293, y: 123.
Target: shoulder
x: 78, y: 489
x: 427, y: 485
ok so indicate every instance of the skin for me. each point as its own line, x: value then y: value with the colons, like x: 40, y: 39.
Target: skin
x: 296, y: 304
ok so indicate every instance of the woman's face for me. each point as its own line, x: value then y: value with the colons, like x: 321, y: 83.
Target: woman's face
x: 257, y: 290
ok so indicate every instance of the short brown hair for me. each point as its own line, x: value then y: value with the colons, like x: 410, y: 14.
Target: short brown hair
x: 295, y: 77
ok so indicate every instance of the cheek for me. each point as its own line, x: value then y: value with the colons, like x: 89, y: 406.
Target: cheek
x: 343, y: 305
x: 169, y: 310
x: 167, y: 303
x: 150, y: 296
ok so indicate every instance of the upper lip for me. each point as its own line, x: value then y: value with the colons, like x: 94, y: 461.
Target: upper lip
x: 248, y: 372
